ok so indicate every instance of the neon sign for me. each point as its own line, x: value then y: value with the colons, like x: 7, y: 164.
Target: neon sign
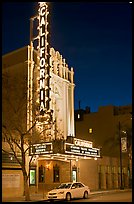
x: 44, y: 58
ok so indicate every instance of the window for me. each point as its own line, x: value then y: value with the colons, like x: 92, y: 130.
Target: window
x: 100, y: 180
x: 32, y: 176
x: 75, y: 185
x: 74, y: 173
x: 113, y: 179
x: 107, y: 180
x: 90, y: 130
x: 56, y: 173
x: 80, y: 185
x: 41, y: 173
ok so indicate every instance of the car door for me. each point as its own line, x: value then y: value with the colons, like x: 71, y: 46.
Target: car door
x: 75, y: 191
x: 80, y: 190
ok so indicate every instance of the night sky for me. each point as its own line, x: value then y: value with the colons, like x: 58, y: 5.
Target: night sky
x: 94, y: 38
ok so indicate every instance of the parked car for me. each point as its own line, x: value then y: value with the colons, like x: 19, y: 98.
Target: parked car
x: 68, y: 191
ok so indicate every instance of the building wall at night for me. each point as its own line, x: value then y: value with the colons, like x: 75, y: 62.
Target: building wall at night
x: 20, y: 84
x: 20, y: 80
x: 62, y: 95
x: 100, y: 174
x: 12, y: 181
x: 14, y: 87
x: 16, y: 68
x: 102, y: 126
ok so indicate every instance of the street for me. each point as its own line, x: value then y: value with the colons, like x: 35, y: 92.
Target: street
x: 122, y: 196
x: 109, y: 197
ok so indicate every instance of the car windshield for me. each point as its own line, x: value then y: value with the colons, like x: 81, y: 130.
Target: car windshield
x: 64, y: 185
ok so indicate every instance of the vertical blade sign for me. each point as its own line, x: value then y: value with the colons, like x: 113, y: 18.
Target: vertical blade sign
x: 43, y: 50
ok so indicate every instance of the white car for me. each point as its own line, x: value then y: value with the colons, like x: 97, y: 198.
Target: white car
x: 68, y: 191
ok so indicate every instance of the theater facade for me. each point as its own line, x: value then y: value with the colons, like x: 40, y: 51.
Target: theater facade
x: 59, y: 151
x: 57, y: 155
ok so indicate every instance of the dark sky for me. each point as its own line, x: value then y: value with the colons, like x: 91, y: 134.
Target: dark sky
x: 94, y: 38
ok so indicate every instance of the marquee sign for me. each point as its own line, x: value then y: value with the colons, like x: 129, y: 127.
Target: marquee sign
x: 81, y: 151
x: 44, y: 57
x: 65, y: 149
x: 43, y: 148
x: 83, y: 143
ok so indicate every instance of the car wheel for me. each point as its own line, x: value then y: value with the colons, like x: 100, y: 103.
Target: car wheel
x: 85, y: 194
x: 68, y: 196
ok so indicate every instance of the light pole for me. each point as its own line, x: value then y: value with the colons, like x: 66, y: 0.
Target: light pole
x: 121, y: 150
x: 121, y: 184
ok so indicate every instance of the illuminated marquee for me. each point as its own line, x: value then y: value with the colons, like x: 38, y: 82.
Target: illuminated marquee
x: 44, y: 57
x: 83, y: 143
x: 81, y: 151
x: 66, y: 148
x: 44, y: 148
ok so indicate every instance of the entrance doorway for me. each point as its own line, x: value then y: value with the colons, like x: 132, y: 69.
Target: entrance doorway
x: 74, y: 174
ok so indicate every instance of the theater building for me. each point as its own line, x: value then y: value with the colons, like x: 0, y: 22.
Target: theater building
x: 66, y: 149
x: 38, y: 98
x: 38, y: 94
x: 58, y: 154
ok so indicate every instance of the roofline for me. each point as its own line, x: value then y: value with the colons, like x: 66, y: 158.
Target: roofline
x: 14, y: 51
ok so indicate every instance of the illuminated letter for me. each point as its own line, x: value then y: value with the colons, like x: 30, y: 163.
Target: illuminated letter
x: 41, y: 32
x: 42, y: 73
x: 42, y: 41
x: 41, y: 51
x: 42, y: 106
x: 41, y: 94
x: 42, y: 84
x: 41, y: 11
x: 42, y: 62
x: 42, y: 21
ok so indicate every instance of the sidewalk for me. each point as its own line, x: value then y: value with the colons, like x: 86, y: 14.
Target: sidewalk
x: 41, y: 196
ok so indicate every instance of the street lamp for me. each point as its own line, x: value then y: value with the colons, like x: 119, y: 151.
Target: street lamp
x: 121, y: 150
x: 121, y: 186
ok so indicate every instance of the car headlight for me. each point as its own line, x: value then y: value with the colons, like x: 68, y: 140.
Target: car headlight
x: 61, y: 192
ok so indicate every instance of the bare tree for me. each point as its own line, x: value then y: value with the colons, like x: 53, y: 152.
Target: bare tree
x: 17, y: 138
x: 17, y: 145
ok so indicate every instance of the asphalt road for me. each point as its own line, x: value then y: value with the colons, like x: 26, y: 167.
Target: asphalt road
x: 105, y: 197
x: 109, y: 197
